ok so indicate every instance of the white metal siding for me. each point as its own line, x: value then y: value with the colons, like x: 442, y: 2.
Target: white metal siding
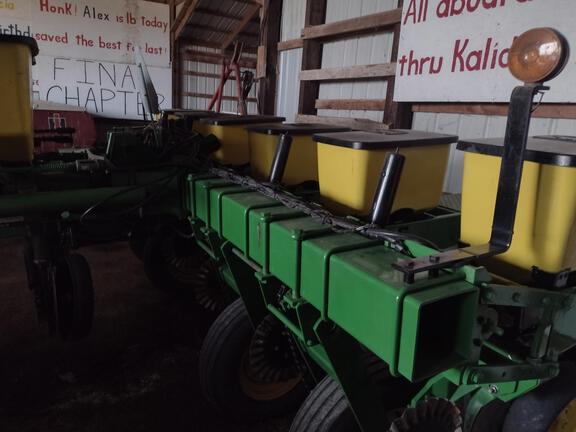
x: 477, y: 126
x: 290, y: 64
x: 369, y: 49
x: 293, y: 16
x: 364, y: 50
x: 194, y: 84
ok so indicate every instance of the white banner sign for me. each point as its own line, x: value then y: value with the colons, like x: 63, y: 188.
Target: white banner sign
x: 87, y: 51
x: 457, y: 50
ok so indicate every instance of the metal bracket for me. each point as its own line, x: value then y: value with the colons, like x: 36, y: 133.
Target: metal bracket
x: 515, y: 141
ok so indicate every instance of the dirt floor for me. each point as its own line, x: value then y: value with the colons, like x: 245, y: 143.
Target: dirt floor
x: 137, y: 372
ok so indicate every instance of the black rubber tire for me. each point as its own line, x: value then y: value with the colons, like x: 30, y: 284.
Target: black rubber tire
x: 326, y: 409
x: 74, y: 297
x: 137, y: 241
x: 537, y: 410
x: 159, y: 271
x: 33, y: 276
x: 221, y: 357
x: 491, y: 417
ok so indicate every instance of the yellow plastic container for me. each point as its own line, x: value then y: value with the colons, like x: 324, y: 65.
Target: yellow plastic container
x: 192, y: 117
x: 545, y: 226
x: 302, y: 162
x: 16, y: 126
x: 350, y: 163
x: 230, y: 131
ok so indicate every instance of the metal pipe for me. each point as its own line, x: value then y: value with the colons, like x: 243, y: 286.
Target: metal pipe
x: 280, y: 158
x: 387, y: 188
x: 73, y: 200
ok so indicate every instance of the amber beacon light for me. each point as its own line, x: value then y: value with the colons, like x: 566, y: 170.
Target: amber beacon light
x: 538, y: 55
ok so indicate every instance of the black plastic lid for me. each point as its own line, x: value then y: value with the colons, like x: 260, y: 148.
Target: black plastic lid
x: 192, y: 114
x: 24, y: 40
x: 386, y: 139
x: 234, y: 120
x: 550, y: 150
x: 294, y: 128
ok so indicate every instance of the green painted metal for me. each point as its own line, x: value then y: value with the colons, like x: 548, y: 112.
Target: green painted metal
x: 216, y: 196
x: 316, y: 258
x: 236, y: 213
x: 440, y: 226
x: 259, y: 232
x: 286, y: 239
x: 202, y: 197
x: 426, y: 349
x: 190, y: 191
x: 363, y: 284
x: 34, y: 203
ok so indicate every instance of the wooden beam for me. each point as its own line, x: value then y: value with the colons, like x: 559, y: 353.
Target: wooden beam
x: 349, y: 27
x: 176, y: 58
x: 311, y: 57
x: 205, y: 75
x: 209, y: 96
x: 357, y: 124
x: 351, y: 104
x: 555, y: 111
x: 377, y: 71
x: 250, y: 13
x: 218, y: 13
x: 272, y: 17
x: 208, y: 44
x: 213, y: 29
x: 183, y: 18
x: 397, y: 115
x: 213, y: 58
x: 290, y: 44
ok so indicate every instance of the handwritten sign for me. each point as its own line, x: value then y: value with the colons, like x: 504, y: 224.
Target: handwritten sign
x: 87, y: 51
x: 457, y: 50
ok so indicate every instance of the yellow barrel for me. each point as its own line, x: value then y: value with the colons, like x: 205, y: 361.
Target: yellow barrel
x: 16, y: 127
x: 230, y: 131
x: 350, y: 163
x: 545, y: 226
x: 191, y: 117
x: 302, y: 162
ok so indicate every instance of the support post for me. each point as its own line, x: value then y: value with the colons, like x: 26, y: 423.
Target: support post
x: 311, y: 57
x: 270, y: 36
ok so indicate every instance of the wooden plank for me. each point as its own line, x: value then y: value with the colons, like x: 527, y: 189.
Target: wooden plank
x: 209, y: 96
x: 353, y: 26
x: 206, y: 75
x: 351, y: 104
x: 396, y: 115
x: 357, y: 124
x: 250, y: 13
x: 176, y: 57
x: 311, y: 57
x: 213, y: 58
x: 268, y: 57
x: 290, y: 44
x: 184, y: 17
x: 555, y: 111
x: 202, y: 43
x: 376, y: 71
x: 261, y: 62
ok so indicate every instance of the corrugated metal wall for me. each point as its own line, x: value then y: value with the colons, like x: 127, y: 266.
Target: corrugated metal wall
x: 204, y: 85
x: 290, y: 62
x: 370, y: 49
x: 477, y: 126
x: 356, y: 51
